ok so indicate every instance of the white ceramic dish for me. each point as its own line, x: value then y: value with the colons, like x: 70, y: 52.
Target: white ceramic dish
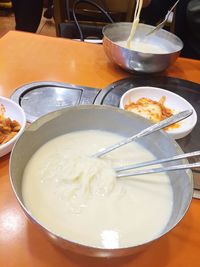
x: 173, y: 101
x: 15, y: 112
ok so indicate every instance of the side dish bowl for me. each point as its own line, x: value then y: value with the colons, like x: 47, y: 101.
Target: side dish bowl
x: 87, y: 117
x: 14, y: 112
x: 173, y: 101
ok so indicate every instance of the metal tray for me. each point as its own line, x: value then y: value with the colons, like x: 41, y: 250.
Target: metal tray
x: 40, y: 98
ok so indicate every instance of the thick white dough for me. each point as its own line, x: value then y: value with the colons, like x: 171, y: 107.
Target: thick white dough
x: 80, y: 199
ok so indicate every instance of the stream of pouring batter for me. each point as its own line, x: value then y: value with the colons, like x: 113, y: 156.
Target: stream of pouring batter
x: 136, y: 20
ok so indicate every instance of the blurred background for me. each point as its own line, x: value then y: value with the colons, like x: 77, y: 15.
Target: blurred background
x: 7, y: 20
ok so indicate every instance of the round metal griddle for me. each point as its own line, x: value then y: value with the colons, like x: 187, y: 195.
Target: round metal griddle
x: 40, y: 98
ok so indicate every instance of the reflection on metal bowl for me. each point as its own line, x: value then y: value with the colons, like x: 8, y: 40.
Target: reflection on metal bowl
x: 135, y: 61
x: 87, y: 117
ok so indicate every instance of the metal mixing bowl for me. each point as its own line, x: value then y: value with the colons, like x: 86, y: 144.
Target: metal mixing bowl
x: 134, y: 61
x: 104, y: 118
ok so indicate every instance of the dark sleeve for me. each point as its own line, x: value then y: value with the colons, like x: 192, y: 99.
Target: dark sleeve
x: 192, y: 38
x: 193, y: 17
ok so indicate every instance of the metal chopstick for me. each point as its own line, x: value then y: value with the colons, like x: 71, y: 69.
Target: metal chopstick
x: 153, y: 128
x: 154, y: 162
x: 157, y: 170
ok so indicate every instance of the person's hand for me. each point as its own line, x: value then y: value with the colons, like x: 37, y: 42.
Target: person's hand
x: 146, y: 3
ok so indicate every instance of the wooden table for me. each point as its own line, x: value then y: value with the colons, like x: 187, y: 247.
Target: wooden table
x: 25, y: 58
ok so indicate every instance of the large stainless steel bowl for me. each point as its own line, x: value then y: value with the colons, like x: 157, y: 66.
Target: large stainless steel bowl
x: 103, y: 118
x: 134, y: 61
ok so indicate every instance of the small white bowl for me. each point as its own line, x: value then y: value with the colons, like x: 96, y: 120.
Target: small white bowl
x: 15, y: 112
x: 173, y: 101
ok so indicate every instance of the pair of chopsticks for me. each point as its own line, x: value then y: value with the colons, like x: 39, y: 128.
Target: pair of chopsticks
x: 119, y: 170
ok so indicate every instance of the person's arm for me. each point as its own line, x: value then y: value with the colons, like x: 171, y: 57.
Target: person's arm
x: 192, y: 34
x: 193, y: 15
